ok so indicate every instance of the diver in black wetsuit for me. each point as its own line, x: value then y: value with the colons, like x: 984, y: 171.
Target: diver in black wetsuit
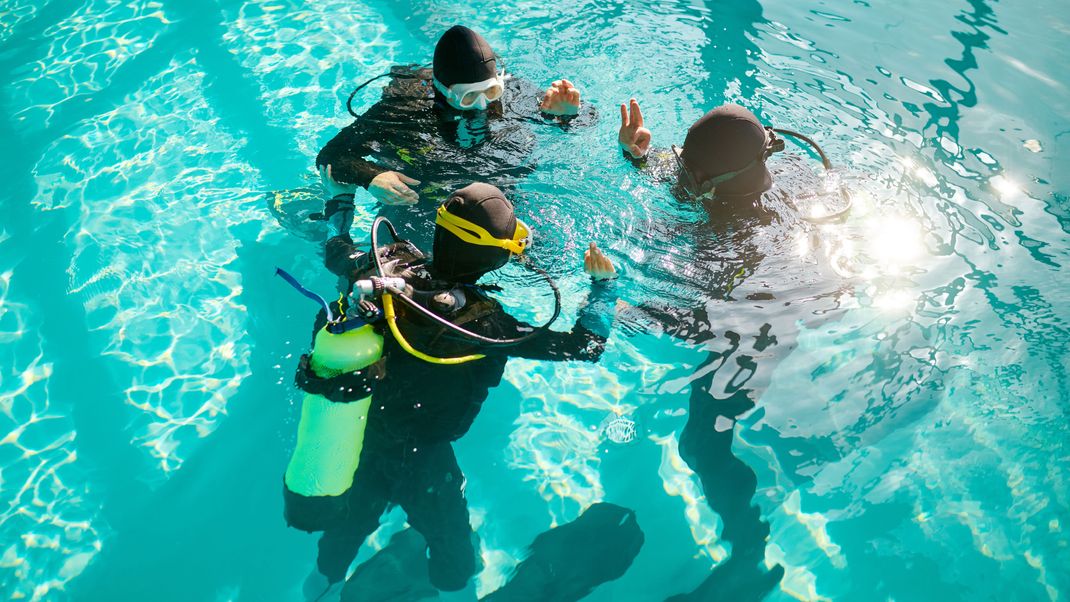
x: 722, y: 165
x: 418, y: 408
x: 437, y: 129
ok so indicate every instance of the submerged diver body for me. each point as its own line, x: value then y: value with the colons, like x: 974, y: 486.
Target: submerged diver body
x: 722, y: 165
x: 437, y: 129
x: 419, y: 407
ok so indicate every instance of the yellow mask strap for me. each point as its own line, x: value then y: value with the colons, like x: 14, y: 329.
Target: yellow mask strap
x: 473, y: 234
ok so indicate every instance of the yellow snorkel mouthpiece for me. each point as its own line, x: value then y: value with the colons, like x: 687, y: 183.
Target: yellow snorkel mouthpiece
x: 476, y: 235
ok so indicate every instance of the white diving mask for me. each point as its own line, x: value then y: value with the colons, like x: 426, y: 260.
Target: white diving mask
x: 477, y: 95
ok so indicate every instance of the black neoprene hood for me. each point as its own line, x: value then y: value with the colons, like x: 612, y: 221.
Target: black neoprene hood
x: 723, y: 140
x: 485, y: 206
x: 462, y: 56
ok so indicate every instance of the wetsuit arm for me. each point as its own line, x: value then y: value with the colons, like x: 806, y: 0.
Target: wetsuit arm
x: 586, y: 117
x: 340, y: 255
x: 658, y: 163
x: 587, y: 339
x: 345, y: 154
x: 655, y: 160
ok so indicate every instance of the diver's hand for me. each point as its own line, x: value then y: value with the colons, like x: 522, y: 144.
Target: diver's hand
x: 392, y: 188
x: 561, y: 99
x: 332, y: 186
x: 597, y: 264
x: 633, y: 137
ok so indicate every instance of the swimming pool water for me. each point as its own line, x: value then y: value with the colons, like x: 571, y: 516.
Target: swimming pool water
x: 908, y: 367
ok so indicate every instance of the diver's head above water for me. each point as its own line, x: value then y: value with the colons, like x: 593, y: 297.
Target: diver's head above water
x: 466, y: 74
x: 476, y: 231
x: 724, y: 154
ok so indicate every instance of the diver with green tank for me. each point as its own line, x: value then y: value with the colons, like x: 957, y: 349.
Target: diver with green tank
x: 401, y: 368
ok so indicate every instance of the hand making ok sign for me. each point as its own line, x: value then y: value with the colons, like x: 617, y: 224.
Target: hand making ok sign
x: 633, y: 137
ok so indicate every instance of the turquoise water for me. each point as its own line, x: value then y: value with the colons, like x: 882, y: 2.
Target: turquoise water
x: 909, y: 436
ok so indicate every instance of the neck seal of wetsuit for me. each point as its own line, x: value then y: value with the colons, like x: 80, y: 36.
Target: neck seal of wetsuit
x: 728, y: 141
x: 462, y: 56
x: 476, y: 231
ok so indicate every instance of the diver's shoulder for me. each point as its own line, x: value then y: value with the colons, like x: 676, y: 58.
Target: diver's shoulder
x: 410, y: 86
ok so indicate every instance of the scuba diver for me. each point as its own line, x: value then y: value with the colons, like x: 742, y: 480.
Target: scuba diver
x: 737, y: 267
x: 401, y: 370
x: 723, y: 155
x: 723, y: 159
x: 433, y: 130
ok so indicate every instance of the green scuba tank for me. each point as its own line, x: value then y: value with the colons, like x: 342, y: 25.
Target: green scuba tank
x: 334, y: 412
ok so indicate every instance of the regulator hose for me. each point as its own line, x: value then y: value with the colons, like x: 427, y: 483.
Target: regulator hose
x: 827, y: 164
x: 446, y: 323
x: 349, y: 101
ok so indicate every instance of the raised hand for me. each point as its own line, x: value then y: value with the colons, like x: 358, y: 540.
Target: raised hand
x: 392, y: 188
x: 561, y: 99
x: 597, y: 264
x: 633, y: 137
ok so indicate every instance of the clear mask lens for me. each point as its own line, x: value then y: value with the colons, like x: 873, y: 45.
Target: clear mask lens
x: 469, y: 99
x: 477, y: 95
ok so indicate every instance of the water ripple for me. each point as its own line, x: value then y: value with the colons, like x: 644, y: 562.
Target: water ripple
x: 49, y: 523
x: 85, y: 51
x: 156, y: 188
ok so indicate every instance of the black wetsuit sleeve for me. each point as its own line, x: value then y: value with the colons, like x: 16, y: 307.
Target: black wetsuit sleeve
x: 346, y: 151
x: 658, y: 163
x: 524, y: 101
x: 587, y: 339
x: 579, y: 344
x: 340, y: 255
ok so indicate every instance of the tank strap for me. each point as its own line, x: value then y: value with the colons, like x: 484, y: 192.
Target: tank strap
x: 344, y: 388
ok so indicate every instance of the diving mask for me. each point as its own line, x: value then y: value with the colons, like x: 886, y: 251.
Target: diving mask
x: 477, y: 95
x: 476, y: 235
